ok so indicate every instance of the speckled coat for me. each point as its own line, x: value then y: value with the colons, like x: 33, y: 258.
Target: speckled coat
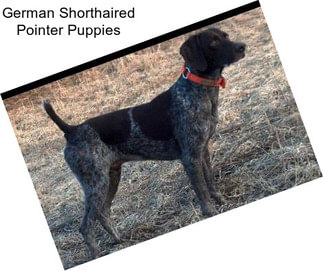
x: 177, y: 124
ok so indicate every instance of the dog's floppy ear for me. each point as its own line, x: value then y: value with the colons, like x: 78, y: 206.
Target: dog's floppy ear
x: 192, y: 53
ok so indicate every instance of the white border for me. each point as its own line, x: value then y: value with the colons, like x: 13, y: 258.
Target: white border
x: 282, y: 232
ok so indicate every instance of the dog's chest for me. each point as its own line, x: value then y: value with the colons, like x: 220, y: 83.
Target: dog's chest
x: 195, y: 109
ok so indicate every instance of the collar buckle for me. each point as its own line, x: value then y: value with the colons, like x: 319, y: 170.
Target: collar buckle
x: 186, y: 71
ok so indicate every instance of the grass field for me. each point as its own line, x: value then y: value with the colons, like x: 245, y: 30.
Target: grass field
x: 261, y: 146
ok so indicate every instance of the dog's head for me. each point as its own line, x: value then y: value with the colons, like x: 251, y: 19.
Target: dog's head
x: 210, y: 50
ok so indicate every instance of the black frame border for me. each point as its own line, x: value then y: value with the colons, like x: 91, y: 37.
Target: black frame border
x: 129, y: 50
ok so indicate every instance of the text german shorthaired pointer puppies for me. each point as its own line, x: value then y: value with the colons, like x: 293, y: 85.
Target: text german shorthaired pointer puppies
x: 177, y: 124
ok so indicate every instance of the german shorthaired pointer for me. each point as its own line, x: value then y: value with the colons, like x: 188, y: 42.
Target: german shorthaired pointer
x: 177, y: 124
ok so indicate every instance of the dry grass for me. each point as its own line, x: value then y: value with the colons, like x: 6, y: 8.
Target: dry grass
x: 261, y: 146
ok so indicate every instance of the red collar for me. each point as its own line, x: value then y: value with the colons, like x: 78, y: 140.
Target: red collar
x: 186, y: 73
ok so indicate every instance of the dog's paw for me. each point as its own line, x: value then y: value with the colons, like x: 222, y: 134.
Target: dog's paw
x: 209, y: 210
x: 219, y: 199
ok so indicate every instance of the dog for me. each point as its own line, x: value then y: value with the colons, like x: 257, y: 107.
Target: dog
x: 176, y: 124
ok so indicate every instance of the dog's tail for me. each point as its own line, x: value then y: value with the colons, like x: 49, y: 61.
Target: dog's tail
x: 59, y: 122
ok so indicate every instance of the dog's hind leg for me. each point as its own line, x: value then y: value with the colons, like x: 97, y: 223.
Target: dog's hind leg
x: 89, y: 159
x: 105, y: 215
x: 87, y: 225
x: 115, y: 175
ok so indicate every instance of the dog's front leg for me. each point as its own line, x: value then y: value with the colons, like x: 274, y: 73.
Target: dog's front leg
x: 194, y: 168
x: 209, y: 178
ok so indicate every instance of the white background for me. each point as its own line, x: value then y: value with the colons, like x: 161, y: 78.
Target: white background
x: 282, y: 232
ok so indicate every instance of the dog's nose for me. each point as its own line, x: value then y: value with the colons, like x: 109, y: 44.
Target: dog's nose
x: 240, y: 47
